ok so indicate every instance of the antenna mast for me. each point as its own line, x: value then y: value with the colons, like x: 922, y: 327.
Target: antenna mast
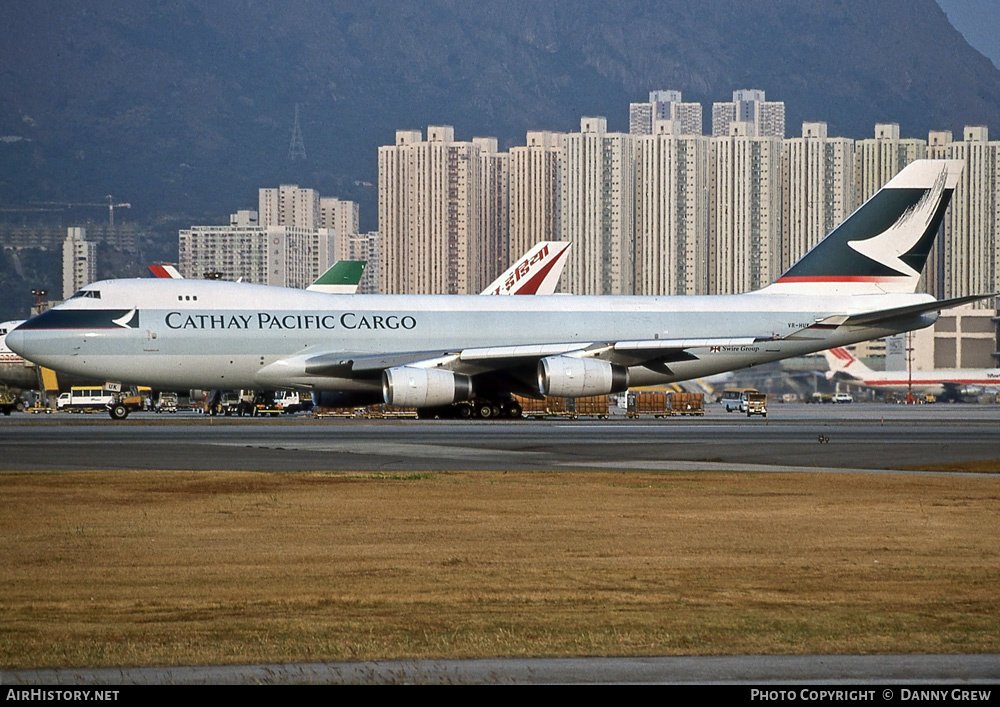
x: 297, y: 148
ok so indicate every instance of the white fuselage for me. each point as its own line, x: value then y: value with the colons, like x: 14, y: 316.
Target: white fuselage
x: 200, y: 334
x: 934, y: 382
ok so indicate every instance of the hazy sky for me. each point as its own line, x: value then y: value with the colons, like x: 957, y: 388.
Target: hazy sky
x: 979, y: 23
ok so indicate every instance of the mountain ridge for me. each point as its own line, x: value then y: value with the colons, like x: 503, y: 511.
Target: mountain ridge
x: 187, y: 107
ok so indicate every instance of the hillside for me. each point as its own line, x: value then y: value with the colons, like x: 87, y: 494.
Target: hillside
x: 188, y: 106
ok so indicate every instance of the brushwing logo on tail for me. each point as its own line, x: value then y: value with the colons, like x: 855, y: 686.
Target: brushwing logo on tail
x: 884, y: 245
x: 887, y: 247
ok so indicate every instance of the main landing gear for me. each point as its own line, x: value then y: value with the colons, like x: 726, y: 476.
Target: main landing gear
x: 473, y: 410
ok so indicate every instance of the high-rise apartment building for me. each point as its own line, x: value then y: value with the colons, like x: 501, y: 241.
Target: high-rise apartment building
x: 817, y: 189
x: 597, y: 210
x: 494, y: 208
x: 535, y: 191
x: 364, y: 246
x: 429, y: 201
x: 745, y: 246
x: 284, y: 256
x: 289, y: 205
x: 79, y: 261
x: 665, y: 105
x: 969, y: 254
x: 764, y: 118
x: 879, y: 159
x: 341, y: 217
x: 671, y: 212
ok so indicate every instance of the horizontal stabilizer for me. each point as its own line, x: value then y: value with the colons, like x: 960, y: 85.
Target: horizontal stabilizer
x: 884, y: 315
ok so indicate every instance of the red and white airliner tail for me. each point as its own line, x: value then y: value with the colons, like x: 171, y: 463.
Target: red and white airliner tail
x: 165, y: 270
x: 535, y: 273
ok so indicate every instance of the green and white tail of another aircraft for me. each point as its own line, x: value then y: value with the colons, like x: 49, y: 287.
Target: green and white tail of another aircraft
x: 343, y: 278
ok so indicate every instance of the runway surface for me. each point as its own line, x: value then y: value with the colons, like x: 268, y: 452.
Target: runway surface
x: 867, y: 437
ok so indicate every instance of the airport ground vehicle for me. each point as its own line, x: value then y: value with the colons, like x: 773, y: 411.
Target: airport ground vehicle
x: 687, y: 404
x: 166, y: 402
x: 661, y: 403
x: 756, y: 404
x: 264, y: 406
x: 234, y: 402
x: 8, y: 401
x: 84, y: 398
x: 735, y: 399
x: 291, y: 401
x: 549, y: 405
x: 589, y: 406
x: 843, y: 398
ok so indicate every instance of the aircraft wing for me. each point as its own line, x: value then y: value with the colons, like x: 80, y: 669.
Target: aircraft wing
x: 511, y: 368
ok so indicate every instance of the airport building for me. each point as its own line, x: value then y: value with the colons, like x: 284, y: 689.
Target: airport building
x: 962, y: 337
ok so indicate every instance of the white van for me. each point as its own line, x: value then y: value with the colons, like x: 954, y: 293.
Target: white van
x: 736, y: 399
x: 82, y: 398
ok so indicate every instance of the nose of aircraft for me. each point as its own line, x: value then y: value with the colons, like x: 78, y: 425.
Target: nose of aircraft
x: 15, y: 341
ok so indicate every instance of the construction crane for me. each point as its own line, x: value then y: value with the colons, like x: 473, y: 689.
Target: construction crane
x: 111, y: 206
x: 111, y: 210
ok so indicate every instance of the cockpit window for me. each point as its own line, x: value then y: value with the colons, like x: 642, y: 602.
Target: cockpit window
x: 95, y: 294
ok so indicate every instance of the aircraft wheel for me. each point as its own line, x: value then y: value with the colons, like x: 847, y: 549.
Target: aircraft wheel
x: 464, y: 411
x: 118, y: 412
x: 485, y: 411
x: 514, y: 411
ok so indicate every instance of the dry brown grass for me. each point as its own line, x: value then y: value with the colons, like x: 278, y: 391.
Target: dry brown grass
x: 165, y: 568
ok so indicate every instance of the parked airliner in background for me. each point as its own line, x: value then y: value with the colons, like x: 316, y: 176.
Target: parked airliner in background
x: 535, y: 273
x: 947, y: 382
x: 342, y: 278
x: 14, y: 370
x: 433, y: 351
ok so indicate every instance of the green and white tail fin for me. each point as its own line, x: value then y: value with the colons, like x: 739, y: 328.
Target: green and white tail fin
x: 883, y: 246
x: 343, y: 278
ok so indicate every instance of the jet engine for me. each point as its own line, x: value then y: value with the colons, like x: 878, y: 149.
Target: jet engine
x: 408, y: 386
x: 567, y: 377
